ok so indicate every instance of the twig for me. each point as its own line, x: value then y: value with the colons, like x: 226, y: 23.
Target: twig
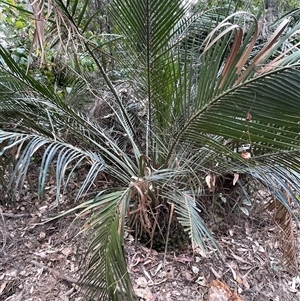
x: 12, y: 215
x: 56, y: 273
x: 158, y: 283
x: 168, y: 233
x: 3, y: 230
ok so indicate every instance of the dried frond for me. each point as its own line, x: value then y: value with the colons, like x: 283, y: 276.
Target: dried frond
x: 64, y: 34
x: 283, y: 218
x: 65, y: 31
x: 39, y: 33
x: 140, y: 190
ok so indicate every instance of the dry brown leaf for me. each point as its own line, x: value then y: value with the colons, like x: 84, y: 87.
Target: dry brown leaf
x: 238, y: 258
x: 39, y: 38
x: 217, y: 275
x: 283, y: 217
x: 210, y: 180
x: 245, y: 155
x: 264, y: 52
x: 238, y: 36
x: 219, y: 291
x: 248, y: 117
x: 239, y: 280
x: 246, y: 284
x: 183, y: 259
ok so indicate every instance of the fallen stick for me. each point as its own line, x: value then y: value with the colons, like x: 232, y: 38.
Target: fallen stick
x: 12, y: 215
x: 56, y: 273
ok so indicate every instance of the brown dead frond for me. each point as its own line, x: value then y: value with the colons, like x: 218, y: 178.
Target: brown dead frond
x: 39, y: 32
x: 238, y: 40
x: 258, y: 63
x: 283, y: 218
x: 140, y: 193
x: 264, y: 53
x: 278, y: 60
x: 64, y: 34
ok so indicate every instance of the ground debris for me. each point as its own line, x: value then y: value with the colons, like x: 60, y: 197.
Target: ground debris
x: 251, y: 267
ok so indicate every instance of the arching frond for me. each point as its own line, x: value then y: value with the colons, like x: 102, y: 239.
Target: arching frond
x: 64, y: 156
x: 106, y: 277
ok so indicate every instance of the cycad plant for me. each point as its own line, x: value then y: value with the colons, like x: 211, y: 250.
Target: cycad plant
x: 209, y: 101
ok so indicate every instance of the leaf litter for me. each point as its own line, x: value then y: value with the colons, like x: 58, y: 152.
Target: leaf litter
x: 40, y: 261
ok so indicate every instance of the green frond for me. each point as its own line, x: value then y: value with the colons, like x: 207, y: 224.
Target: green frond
x: 189, y: 217
x: 36, y: 108
x: 150, y: 30
x: 277, y: 181
x: 64, y: 156
x: 106, y: 276
x: 26, y: 83
x: 219, y: 78
x: 271, y: 103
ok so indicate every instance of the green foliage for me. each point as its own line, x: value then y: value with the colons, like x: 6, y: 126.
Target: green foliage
x: 210, y: 101
x: 15, y: 26
x: 46, y: 61
x: 254, y: 6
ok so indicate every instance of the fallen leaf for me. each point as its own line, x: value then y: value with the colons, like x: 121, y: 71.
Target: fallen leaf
x: 246, y: 284
x: 40, y: 254
x: 246, y: 155
x: 238, y: 258
x: 235, y: 178
x: 157, y: 269
x: 2, y: 287
x: 141, y: 282
x: 183, y: 259
x: 66, y: 251
x: 195, y: 269
x: 242, y: 250
x: 42, y: 235
x: 232, y: 271
x: 218, y: 275
x: 186, y: 275
x: 219, y: 291
x: 210, y: 180
x: 245, y: 210
x: 239, y: 280
x: 246, y: 202
x: 201, y: 281
x: 144, y: 293
x: 146, y: 273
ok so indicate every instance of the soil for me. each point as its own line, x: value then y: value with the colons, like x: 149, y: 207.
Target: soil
x: 39, y: 261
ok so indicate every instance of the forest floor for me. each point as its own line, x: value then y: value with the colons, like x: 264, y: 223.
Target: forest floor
x: 39, y: 261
